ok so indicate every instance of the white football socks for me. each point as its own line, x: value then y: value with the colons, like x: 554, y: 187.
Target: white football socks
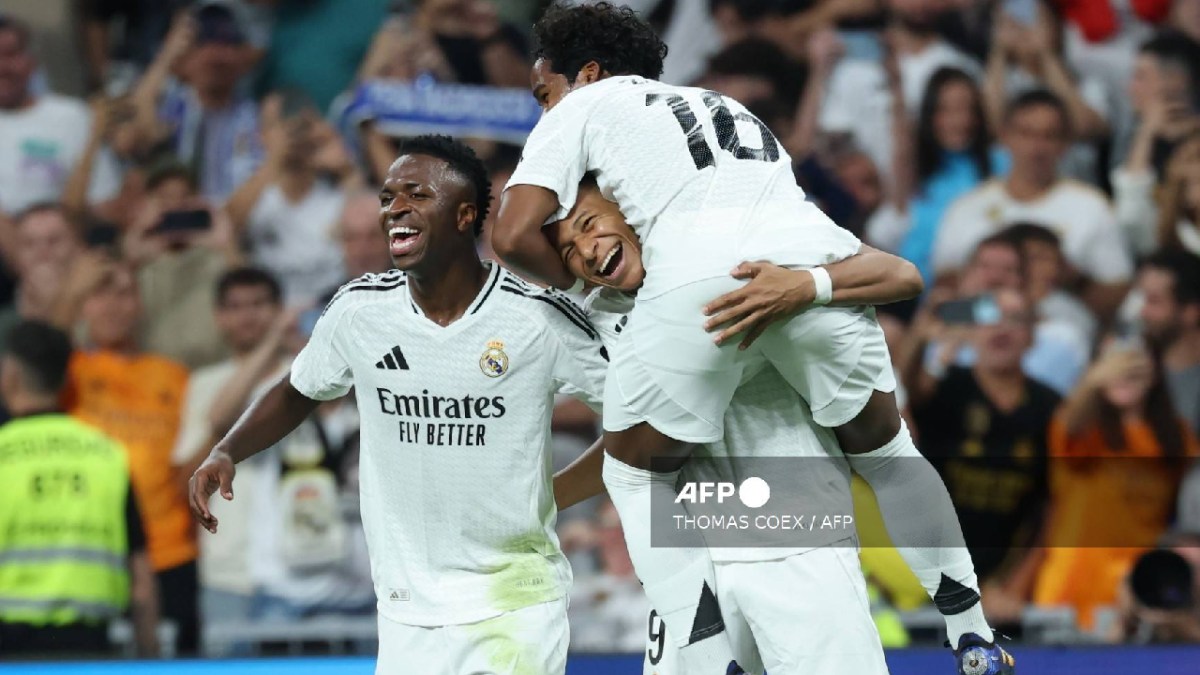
x: 923, y: 525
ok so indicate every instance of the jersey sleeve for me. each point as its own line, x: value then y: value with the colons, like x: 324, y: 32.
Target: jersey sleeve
x: 321, y: 370
x: 579, y: 358
x: 556, y: 155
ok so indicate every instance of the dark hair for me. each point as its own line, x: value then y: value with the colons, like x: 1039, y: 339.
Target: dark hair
x: 462, y: 160
x: 10, y: 22
x: 241, y: 277
x: 998, y: 239
x: 930, y: 154
x: 747, y: 10
x: 1022, y: 232
x: 614, y: 37
x: 1159, y: 412
x: 1184, y: 269
x: 169, y: 169
x: 1177, y: 50
x: 43, y: 351
x: 1035, y: 98
x: 760, y: 58
x: 41, y: 207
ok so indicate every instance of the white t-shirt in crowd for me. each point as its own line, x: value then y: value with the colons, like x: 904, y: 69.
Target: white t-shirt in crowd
x: 224, y: 562
x: 858, y: 101
x: 1079, y: 214
x: 455, y: 466
x: 295, y: 241
x: 40, y: 146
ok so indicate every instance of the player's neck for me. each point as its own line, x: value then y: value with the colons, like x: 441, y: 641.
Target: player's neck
x: 444, y: 296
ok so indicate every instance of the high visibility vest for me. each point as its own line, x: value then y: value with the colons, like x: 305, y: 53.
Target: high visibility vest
x: 63, y: 540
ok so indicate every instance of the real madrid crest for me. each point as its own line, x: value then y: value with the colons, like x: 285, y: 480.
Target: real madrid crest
x: 494, y: 361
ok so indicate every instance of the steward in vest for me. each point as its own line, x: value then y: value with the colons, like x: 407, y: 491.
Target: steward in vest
x: 72, y: 548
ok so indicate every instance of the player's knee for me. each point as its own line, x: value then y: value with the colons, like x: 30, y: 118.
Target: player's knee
x: 874, y: 427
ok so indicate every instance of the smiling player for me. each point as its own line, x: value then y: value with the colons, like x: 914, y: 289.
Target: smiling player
x: 454, y: 363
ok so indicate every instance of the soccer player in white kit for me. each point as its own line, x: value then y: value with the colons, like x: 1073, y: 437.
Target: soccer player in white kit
x: 705, y: 186
x: 455, y: 363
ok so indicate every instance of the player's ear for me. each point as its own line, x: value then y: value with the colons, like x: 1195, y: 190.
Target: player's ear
x: 466, y: 217
x: 589, y: 73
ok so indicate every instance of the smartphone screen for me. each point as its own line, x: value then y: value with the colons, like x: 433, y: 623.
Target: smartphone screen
x: 185, y: 221
x: 980, y: 310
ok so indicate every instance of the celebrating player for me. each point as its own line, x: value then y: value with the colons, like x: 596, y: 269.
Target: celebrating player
x: 705, y: 185
x: 454, y: 363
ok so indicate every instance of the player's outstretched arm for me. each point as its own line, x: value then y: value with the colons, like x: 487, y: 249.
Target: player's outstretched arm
x: 870, y: 277
x: 517, y: 235
x: 268, y: 419
x: 581, y: 479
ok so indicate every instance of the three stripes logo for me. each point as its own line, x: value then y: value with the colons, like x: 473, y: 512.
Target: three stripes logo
x: 393, y: 361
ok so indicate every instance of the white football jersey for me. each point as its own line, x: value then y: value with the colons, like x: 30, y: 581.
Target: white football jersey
x: 456, y: 467
x: 703, y: 182
x: 765, y: 418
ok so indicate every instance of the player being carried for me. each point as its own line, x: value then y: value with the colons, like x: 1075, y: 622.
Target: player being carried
x: 705, y: 185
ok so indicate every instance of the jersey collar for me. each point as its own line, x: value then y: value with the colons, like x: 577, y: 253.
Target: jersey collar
x: 495, y: 272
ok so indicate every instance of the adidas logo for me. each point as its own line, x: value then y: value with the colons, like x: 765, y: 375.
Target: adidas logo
x: 393, y: 361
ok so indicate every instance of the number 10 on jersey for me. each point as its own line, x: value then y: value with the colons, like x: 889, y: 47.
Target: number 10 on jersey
x: 725, y: 125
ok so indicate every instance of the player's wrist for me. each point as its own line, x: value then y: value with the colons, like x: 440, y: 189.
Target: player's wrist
x: 822, y: 285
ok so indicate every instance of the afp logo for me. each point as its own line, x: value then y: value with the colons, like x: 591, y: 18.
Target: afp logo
x: 753, y: 492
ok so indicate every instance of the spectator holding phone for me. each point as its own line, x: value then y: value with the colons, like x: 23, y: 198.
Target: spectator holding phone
x: 1118, y: 450
x: 1169, y: 283
x: 180, y: 245
x: 1179, y: 220
x: 984, y: 429
x: 289, y: 208
x: 1026, y: 54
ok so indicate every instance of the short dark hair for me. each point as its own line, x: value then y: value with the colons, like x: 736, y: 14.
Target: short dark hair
x: 1184, y: 269
x: 241, y: 277
x: 999, y: 239
x: 614, y: 37
x: 463, y: 160
x: 12, y: 23
x: 1177, y: 50
x: 747, y: 10
x: 1022, y: 232
x: 169, y: 169
x: 43, y: 352
x: 1035, y: 98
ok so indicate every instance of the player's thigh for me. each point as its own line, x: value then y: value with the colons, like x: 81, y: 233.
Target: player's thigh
x: 666, y: 371
x: 835, y: 357
x: 809, y: 613
x: 529, y: 641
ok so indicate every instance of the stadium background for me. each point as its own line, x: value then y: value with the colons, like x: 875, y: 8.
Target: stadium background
x: 277, y: 117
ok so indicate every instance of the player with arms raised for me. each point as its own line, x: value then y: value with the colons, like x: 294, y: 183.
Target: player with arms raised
x: 704, y: 186
x: 454, y: 363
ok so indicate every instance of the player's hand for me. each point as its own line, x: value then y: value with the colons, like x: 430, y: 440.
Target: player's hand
x: 216, y: 472
x: 773, y: 293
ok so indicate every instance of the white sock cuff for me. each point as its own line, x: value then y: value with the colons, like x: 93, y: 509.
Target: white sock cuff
x: 616, y: 472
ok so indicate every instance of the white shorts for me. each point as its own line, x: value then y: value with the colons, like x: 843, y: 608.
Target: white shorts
x: 529, y: 641
x: 665, y: 369
x: 799, y: 615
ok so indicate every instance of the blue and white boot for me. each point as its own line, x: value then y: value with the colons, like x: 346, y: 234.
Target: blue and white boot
x: 976, y: 656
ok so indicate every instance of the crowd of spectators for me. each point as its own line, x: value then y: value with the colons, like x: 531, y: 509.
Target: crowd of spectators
x: 185, y: 197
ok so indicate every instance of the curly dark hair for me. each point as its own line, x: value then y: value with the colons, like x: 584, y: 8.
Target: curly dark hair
x: 614, y: 37
x: 462, y: 160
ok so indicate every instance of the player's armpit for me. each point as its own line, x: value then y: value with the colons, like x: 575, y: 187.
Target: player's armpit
x: 582, y: 479
x: 517, y: 235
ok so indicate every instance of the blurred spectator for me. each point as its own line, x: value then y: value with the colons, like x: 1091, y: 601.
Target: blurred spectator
x: 45, y: 245
x: 343, y: 30
x: 180, y: 246
x: 289, y: 208
x: 137, y: 398
x: 608, y: 610
x: 42, y: 136
x: 1170, y: 316
x: 114, y: 131
x: 1117, y: 448
x: 949, y: 157
x: 1027, y: 54
x: 1061, y: 315
x: 205, y: 116
x: 1185, y: 17
x: 248, y: 311
x: 859, y: 102
x: 61, y: 477
x: 364, y: 245
x: 984, y: 428
x: 754, y: 70
x: 1179, y: 224
x: 1035, y: 133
